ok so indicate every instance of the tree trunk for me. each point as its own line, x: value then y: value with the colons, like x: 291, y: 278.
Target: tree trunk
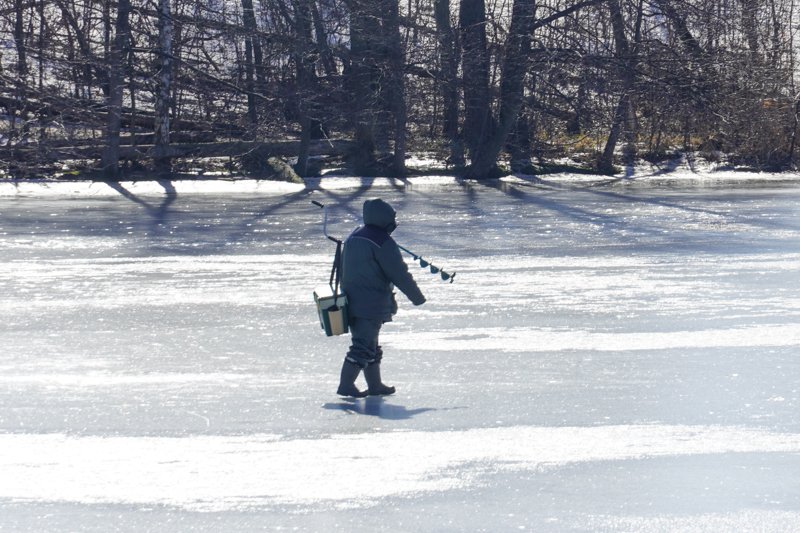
x: 475, y: 71
x: 42, y: 44
x: 575, y: 123
x: 706, y: 79
x: 252, y: 57
x: 19, y: 39
x: 22, y: 64
x: 364, y: 86
x: 631, y: 131
x: 750, y: 9
x: 448, y: 64
x: 85, y: 46
x: 519, y: 145
x: 684, y: 34
x: 606, y: 162
x: 396, y: 91
x: 793, y: 136
x: 119, y: 47
x: 624, y: 117
x: 162, y: 161
x: 515, y: 60
x: 778, y: 16
x: 376, y: 83
x: 305, y: 75
x: 326, y: 55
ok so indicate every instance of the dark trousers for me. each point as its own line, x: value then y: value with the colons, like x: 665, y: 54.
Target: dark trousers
x: 364, y: 350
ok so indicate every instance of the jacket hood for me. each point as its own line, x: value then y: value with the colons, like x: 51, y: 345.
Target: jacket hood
x: 379, y: 213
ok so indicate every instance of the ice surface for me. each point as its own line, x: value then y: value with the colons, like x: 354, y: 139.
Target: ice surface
x: 614, y: 355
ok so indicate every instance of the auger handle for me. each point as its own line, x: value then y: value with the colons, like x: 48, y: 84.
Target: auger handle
x: 325, y: 221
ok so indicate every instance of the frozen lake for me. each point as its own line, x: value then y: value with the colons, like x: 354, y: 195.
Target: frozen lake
x: 613, y: 356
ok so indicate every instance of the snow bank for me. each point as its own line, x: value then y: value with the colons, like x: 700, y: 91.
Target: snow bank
x: 221, y: 186
x: 145, y: 188
x: 643, y: 173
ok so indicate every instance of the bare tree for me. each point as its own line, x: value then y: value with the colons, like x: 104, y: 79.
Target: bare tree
x: 119, y: 49
x: 162, y: 160
x: 475, y: 73
x: 624, y: 118
x: 377, y: 83
x: 448, y: 80
x: 254, y: 62
x: 305, y: 78
x: 515, y: 62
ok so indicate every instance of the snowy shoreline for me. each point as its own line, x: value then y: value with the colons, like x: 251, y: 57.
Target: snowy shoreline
x: 252, y: 186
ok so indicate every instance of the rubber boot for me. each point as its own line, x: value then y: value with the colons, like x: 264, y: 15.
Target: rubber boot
x: 347, y: 381
x: 376, y: 387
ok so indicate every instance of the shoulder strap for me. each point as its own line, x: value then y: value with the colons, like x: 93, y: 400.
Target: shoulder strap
x: 336, y: 271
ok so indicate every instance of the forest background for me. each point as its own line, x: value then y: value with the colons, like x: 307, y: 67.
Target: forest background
x: 214, y: 87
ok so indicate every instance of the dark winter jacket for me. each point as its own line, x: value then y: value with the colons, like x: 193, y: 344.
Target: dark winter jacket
x: 372, y: 265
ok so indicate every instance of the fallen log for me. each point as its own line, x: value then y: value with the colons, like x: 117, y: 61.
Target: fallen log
x: 91, y: 114
x: 335, y: 147
x: 139, y: 139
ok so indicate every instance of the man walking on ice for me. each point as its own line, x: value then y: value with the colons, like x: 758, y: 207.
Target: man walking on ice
x: 371, y: 267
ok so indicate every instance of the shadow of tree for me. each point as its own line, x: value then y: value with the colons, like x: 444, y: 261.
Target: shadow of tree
x: 157, y: 212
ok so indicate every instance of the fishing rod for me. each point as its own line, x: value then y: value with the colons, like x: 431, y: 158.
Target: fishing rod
x: 446, y: 276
